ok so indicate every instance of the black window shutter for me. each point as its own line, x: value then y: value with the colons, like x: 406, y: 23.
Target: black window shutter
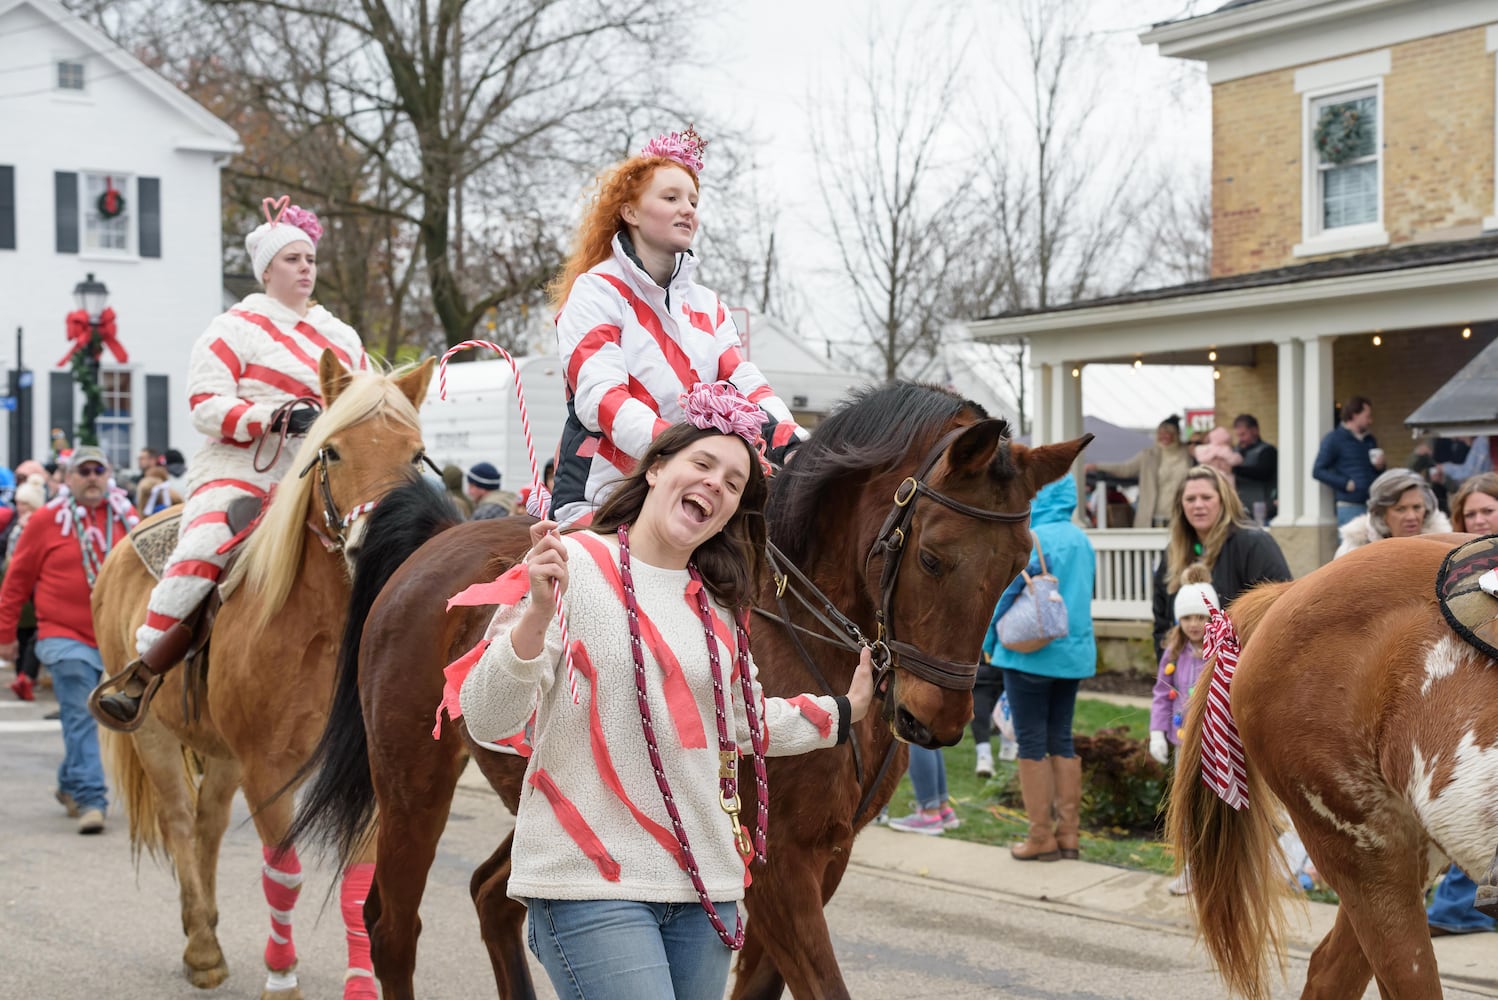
x: 158, y: 412
x: 7, y: 208
x: 148, y: 200
x: 66, y: 185
x: 60, y: 402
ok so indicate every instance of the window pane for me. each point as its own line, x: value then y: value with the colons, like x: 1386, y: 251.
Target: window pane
x: 1357, y: 120
x: 1349, y: 195
x: 100, y: 233
x: 69, y: 75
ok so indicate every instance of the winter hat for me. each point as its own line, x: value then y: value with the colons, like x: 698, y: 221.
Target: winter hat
x: 31, y: 493
x: 284, y: 224
x: 175, y: 464
x: 484, y: 475
x: 1192, y: 599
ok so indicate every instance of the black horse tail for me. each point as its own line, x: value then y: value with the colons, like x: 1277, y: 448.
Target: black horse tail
x: 338, y: 803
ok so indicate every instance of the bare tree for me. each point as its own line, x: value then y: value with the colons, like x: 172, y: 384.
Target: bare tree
x: 898, y: 208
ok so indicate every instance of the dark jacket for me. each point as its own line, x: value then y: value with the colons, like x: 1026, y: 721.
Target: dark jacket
x: 1258, y: 476
x: 1248, y: 557
x: 1343, y: 458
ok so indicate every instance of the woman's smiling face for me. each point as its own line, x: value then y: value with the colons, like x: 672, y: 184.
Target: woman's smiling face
x: 692, y: 495
x: 665, y: 218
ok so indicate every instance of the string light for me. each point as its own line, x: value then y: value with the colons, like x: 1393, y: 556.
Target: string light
x: 1211, y: 355
x: 1076, y: 373
x: 1466, y: 333
x: 1377, y: 340
x: 1138, y: 363
x: 1216, y: 374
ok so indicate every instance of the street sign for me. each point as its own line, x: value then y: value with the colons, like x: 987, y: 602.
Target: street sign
x: 7, y: 402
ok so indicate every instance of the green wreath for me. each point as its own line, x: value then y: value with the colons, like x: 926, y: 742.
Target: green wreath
x: 1342, y: 133
x: 111, y: 204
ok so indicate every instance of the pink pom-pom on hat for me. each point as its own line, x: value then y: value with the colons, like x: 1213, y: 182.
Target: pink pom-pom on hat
x: 721, y: 407
x: 683, y: 147
x: 284, y: 225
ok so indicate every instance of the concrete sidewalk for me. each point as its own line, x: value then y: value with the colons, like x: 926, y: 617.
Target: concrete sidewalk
x: 1103, y: 892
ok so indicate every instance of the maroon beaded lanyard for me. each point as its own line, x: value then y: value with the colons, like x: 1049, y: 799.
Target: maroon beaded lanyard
x: 728, y: 751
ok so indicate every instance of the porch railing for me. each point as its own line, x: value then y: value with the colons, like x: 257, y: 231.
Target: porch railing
x: 1126, y: 559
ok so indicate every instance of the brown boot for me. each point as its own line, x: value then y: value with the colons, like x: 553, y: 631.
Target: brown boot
x: 121, y: 702
x: 1037, y: 788
x: 1066, y: 772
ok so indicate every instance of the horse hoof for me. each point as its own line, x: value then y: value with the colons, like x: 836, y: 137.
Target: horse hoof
x: 294, y: 993
x: 209, y: 978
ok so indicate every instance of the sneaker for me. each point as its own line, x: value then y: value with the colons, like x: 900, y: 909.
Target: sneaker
x: 67, y: 803
x: 920, y: 821
x: 883, y: 818
x: 23, y: 687
x: 1008, y: 749
x: 985, y: 760
x: 949, y: 818
x: 92, y: 821
x: 1181, y: 884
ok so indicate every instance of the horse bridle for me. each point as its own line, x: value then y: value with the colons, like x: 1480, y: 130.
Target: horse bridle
x: 334, y: 533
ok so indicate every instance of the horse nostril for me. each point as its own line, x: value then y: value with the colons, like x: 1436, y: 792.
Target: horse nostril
x: 912, y: 729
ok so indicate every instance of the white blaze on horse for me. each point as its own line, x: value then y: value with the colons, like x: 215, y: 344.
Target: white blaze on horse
x: 1376, y: 728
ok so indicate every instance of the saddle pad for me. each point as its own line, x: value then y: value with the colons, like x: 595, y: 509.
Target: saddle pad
x: 155, y: 537
x: 1470, y: 612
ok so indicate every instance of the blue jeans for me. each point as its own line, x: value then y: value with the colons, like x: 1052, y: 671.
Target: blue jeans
x: 1451, y: 908
x: 1347, y: 511
x: 76, y: 670
x: 928, y: 777
x: 613, y: 949
x: 1042, y: 708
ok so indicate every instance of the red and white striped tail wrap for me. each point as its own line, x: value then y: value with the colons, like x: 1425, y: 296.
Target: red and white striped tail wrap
x: 1222, y: 748
x: 538, y: 504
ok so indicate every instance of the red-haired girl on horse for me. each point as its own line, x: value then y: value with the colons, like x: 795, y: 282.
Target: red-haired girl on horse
x: 635, y: 330
x: 629, y: 850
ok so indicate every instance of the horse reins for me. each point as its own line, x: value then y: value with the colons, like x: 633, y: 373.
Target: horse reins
x: 334, y: 533
x: 888, y: 652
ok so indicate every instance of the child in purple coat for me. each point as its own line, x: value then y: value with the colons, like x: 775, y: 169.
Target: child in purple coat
x: 1182, y: 663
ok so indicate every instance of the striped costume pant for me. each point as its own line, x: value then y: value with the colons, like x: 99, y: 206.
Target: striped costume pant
x: 220, y: 475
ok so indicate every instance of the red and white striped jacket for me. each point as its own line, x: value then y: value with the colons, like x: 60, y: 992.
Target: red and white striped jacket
x: 630, y: 348
x: 257, y: 356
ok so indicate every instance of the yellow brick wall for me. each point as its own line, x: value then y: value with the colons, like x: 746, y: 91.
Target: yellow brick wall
x: 1397, y: 376
x: 1438, y: 118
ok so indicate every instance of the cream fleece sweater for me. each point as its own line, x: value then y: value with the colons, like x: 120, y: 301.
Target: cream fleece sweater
x: 577, y: 836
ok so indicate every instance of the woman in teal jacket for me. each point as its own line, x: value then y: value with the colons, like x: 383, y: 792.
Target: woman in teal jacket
x: 1042, y: 686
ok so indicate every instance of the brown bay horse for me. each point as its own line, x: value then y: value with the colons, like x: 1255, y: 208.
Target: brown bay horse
x: 1376, y: 729
x: 907, y: 506
x: 263, y: 701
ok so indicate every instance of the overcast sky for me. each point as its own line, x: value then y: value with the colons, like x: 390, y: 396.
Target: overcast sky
x: 775, y: 57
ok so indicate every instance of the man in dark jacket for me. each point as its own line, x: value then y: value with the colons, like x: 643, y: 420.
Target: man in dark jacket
x: 1350, y: 459
x: 1258, y: 476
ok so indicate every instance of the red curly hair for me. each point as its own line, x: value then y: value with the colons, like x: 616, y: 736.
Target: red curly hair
x: 618, y: 186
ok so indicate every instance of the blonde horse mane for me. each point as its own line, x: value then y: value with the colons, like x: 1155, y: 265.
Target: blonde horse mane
x: 273, y: 556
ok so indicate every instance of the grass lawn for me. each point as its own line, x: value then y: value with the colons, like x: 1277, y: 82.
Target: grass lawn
x: 986, y: 820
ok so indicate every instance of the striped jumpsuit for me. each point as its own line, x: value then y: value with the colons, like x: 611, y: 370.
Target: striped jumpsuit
x: 251, y: 359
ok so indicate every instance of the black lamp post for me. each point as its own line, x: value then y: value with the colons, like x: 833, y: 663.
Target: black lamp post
x: 92, y: 297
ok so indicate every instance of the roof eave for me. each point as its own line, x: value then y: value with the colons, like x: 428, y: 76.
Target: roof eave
x: 1200, y: 37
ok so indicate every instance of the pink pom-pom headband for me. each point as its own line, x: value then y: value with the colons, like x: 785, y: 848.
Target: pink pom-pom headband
x: 721, y: 407
x: 683, y: 147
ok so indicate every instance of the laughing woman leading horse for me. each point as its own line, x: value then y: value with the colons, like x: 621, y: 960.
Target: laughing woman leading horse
x: 659, y: 588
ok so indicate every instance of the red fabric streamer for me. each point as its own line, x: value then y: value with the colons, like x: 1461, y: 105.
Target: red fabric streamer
x: 79, y: 332
x: 508, y: 589
x: 1223, y: 768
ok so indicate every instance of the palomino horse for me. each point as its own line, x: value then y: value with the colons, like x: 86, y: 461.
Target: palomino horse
x: 270, y: 669
x: 1376, y: 728
x: 899, y: 464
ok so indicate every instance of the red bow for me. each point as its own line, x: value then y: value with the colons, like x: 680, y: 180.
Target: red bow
x: 79, y: 331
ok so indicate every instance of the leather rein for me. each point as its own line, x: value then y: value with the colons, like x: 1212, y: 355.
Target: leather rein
x: 889, y: 653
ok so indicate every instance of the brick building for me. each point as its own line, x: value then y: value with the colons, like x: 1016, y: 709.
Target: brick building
x: 1355, y: 232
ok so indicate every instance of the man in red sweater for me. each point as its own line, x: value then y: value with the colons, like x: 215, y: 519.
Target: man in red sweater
x: 55, y: 563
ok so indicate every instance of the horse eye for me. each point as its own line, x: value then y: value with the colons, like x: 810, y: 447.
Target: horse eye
x: 332, y: 453
x: 930, y: 563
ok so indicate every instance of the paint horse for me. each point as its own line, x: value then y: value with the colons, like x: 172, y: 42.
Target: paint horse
x: 1377, y: 729
x: 908, y: 511
x: 261, y: 706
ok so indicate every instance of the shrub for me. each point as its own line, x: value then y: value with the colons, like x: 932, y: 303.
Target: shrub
x: 1123, y: 787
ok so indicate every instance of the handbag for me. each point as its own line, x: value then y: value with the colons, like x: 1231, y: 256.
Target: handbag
x: 1038, y: 614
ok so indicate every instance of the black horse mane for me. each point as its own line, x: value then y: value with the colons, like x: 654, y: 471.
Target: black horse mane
x: 871, y: 431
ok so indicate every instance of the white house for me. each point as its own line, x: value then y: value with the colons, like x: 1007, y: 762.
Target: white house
x: 83, y: 117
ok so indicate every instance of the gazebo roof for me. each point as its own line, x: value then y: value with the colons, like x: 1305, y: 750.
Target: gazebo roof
x: 1467, y: 403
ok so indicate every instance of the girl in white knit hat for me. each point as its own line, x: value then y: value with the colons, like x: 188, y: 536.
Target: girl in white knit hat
x: 251, y: 361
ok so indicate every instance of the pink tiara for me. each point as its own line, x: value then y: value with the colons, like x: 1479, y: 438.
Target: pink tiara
x: 721, y: 407
x: 683, y: 147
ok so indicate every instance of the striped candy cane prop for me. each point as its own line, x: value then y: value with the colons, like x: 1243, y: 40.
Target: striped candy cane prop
x: 539, y: 502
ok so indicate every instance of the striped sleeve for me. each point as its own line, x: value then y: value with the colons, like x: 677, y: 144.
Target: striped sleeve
x: 781, y: 430
x: 606, y: 399
x: 213, y: 375
x: 790, y: 725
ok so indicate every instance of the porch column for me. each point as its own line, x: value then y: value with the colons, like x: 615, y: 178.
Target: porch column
x: 1066, y: 400
x: 1317, y: 508
x: 1292, y: 454
x: 1041, y: 428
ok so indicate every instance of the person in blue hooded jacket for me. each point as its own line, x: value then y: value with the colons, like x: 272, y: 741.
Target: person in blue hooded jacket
x: 1042, y: 685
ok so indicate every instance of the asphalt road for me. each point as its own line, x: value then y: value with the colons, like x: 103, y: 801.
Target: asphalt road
x: 77, y: 919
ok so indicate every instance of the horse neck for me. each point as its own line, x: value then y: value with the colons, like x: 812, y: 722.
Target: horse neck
x: 321, y: 572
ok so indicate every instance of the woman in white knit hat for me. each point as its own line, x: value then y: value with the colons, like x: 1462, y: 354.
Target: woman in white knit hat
x: 251, y: 361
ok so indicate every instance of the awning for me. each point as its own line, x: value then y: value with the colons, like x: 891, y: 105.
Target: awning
x: 1467, y: 404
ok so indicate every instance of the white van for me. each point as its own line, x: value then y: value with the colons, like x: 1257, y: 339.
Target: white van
x: 480, y: 419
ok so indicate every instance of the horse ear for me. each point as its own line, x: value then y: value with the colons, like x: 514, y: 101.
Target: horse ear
x: 415, y: 382
x: 333, y: 376
x: 1049, y: 462
x: 975, y: 448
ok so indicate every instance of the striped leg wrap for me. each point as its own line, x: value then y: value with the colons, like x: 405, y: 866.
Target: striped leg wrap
x: 358, y: 981
x: 281, y: 878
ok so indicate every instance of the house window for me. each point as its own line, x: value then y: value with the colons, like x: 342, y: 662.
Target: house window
x: 115, y: 418
x: 1344, y: 137
x: 70, y: 75
x: 102, y: 232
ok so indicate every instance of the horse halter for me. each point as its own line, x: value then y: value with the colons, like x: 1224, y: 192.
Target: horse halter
x: 334, y: 533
